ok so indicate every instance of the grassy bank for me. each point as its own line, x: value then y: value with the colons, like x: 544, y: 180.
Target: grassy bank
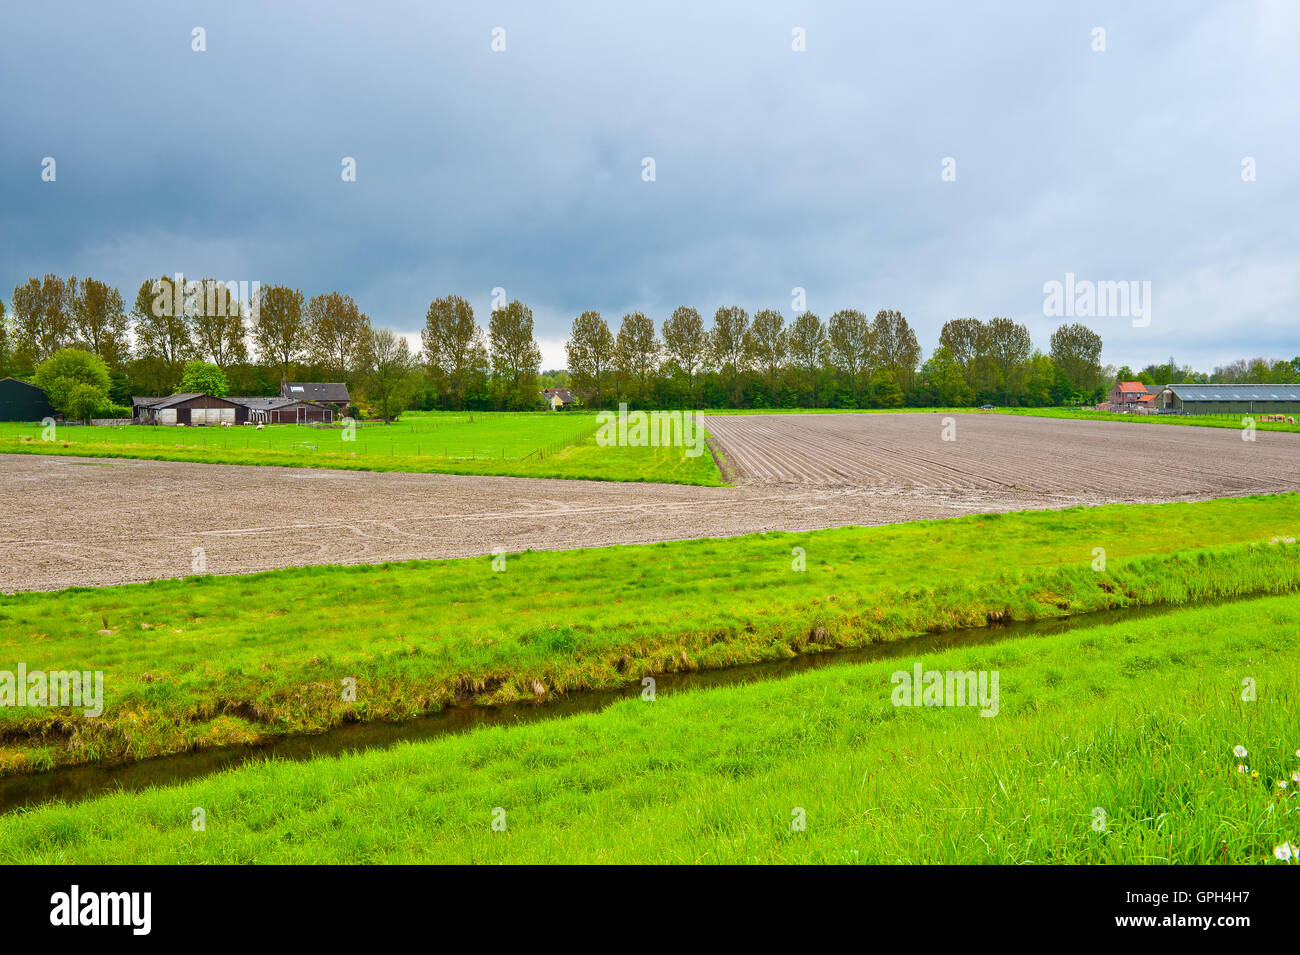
x: 540, y: 445
x: 216, y: 660
x: 1138, y: 720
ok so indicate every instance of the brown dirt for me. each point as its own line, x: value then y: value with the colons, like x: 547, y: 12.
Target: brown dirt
x: 93, y: 522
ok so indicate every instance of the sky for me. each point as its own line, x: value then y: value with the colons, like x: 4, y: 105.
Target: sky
x: 942, y: 159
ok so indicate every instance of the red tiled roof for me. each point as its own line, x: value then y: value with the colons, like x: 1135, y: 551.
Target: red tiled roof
x: 1132, y: 386
x: 1145, y: 398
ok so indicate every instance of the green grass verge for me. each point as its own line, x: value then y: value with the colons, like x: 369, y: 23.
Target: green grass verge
x: 539, y: 445
x: 1136, y: 719
x: 217, y: 660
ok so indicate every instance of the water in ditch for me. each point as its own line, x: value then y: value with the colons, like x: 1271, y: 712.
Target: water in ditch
x: 73, y: 783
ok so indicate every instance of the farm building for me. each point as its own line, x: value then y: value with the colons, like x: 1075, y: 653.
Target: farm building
x: 1230, y: 399
x: 332, y: 393
x: 188, y: 409
x: 21, y: 401
x: 1132, y: 396
x: 559, y: 398
x: 285, y: 411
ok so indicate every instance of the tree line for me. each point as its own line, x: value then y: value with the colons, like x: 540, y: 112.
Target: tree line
x: 200, y: 331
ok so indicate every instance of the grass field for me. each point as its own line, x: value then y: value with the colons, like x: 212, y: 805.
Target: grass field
x: 540, y: 444
x: 217, y: 660
x: 1112, y: 744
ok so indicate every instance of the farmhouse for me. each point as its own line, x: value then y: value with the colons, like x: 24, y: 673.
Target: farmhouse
x: 21, y: 401
x: 332, y: 393
x: 1128, y: 396
x: 188, y: 409
x: 559, y: 398
x: 1230, y: 399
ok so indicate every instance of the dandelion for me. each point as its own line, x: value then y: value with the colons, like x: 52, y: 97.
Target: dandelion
x: 1240, y: 751
x: 1243, y: 768
x: 1281, y: 784
x: 1295, y: 777
x: 1285, y: 852
x: 1255, y: 774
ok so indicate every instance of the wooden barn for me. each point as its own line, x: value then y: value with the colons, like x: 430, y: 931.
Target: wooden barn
x: 285, y: 411
x: 189, y: 409
x: 21, y: 401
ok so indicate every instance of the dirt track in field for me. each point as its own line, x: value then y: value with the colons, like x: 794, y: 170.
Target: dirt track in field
x: 93, y: 522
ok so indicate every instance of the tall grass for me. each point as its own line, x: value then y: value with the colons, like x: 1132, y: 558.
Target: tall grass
x: 1137, y: 720
x: 209, y: 661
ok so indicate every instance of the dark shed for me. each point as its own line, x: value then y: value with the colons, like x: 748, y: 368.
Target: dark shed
x: 191, y: 409
x: 21, y: 401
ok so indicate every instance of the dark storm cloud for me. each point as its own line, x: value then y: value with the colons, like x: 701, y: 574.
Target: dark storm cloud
x: 775, y: 169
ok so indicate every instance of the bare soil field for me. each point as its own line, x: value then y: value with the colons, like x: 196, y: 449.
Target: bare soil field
x: 991, y: 452
x: 94, y: 522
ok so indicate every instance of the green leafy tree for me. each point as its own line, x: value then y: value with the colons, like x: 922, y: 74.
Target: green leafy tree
x: 767, y: 343
x: 897, y: 353
x: 43, y: 320
x: 455, y: 350
x: 1009, y: 348
x: 852, y: 349
x: 279, y: 328
x: 728, y: 348
x: 83, y: 402
x: 216, y: 319
x: 948, y: 384
x: 1076, y: 350
x: 69, y: 376
x: 685, y: 345
x: 204, y: 378
x: 388, y: 372
x: 808, y: 348
x: 516, y: 359
x: 162, y: 333
x: 100, y: 322
x: 5, y: 340
x: 636, y: 355
x: 590, y: 351
x: 336, y: 333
